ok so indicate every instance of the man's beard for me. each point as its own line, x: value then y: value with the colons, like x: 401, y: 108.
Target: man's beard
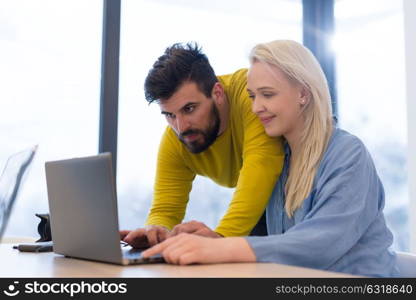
x: 209, y: 135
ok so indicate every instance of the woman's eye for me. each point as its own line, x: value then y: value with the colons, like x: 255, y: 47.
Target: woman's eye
x: 268, y: 95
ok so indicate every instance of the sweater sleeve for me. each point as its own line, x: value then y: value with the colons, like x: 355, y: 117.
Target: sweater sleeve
x: 347, y: 199
x: 262, y: 164
x: 172, y: 184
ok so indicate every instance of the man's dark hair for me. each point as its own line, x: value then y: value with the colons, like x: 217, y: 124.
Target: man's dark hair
x: 179, y: 63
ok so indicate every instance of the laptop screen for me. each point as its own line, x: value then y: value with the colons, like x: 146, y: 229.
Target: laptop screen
x: 10, y: 181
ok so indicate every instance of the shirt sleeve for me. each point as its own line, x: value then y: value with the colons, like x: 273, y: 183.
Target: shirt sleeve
x: 347, y: 198
x: 172, y: 185
x: 262, y: 164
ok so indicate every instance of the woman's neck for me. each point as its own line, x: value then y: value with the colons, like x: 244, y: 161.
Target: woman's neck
x: 294, y: 137
x: 294, y: 141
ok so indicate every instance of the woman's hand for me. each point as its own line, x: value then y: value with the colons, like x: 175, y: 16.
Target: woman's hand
x: 184, y: 249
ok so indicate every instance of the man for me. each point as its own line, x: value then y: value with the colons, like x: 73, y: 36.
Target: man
x: 212, y: 132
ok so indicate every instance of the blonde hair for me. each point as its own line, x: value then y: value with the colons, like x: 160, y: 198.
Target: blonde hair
x: 300, y: 65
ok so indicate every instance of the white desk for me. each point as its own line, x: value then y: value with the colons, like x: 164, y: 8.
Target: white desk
x: 25, y: 264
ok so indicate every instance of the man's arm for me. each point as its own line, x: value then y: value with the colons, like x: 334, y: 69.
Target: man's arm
x: 171, y: 193
x: 172, y: 184
x: 263, y: 158
x: 262, y: 164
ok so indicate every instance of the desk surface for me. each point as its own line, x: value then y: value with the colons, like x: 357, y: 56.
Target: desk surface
x: 24, y: 264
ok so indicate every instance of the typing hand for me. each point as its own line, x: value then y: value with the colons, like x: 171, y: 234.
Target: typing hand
x: 184, y: 249
x: 194, y: 227
x: 144, y: 237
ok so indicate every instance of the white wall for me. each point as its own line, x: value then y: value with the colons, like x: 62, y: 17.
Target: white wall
x: 410, y: 48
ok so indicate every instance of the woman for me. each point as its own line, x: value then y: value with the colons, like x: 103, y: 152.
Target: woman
x: 326, y: 208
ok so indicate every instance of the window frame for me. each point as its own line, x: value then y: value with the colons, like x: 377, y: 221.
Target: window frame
x: 409, y: 8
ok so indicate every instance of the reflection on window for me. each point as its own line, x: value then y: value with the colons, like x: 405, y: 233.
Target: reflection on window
x: 226, y: 34
x: 50, y: 72
x: 369, y: 45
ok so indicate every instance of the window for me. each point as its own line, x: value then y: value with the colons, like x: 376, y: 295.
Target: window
x: 50, y: 72
x: 226, y: 30
x: 369, y: 45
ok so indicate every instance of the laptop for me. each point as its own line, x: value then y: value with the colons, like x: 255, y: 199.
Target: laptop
x: 10, y: 182
x: 83, y: 211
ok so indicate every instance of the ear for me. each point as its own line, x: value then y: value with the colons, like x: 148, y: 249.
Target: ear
x: 218, y: 93
x: 304, y: 96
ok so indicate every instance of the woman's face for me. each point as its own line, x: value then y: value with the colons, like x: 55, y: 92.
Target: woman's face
x: 277, y: 101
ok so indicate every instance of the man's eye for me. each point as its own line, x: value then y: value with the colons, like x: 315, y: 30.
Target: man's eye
x: 189, y: 109
x: 170, y: 116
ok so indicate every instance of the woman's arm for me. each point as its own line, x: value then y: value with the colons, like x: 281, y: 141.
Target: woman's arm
x: 185, y: 249
x: 349, y: 197
x: 347, y: 202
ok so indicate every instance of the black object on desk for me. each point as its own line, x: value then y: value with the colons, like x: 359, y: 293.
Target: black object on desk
x: 44, y: 228
x: 35, y: 247
x: 44, y: 244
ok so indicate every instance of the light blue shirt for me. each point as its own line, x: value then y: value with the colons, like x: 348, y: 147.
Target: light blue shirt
x: 340, y: 226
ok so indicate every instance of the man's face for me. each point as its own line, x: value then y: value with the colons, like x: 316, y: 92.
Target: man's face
x: 193, y: 116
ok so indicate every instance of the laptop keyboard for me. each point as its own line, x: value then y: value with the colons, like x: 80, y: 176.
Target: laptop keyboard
x: 132, y: 253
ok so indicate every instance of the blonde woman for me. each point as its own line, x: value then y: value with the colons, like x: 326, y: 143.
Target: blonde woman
x: 326, y: 210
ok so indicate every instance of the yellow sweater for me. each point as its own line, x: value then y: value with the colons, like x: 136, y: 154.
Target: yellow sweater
x: 243, y: 156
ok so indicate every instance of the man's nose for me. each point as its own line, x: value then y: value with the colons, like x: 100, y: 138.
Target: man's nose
x: 182, y: 124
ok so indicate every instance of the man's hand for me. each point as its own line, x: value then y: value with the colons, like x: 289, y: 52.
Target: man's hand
x: 144, y: 237
x: 194, y: 227
x: 185, y: 249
